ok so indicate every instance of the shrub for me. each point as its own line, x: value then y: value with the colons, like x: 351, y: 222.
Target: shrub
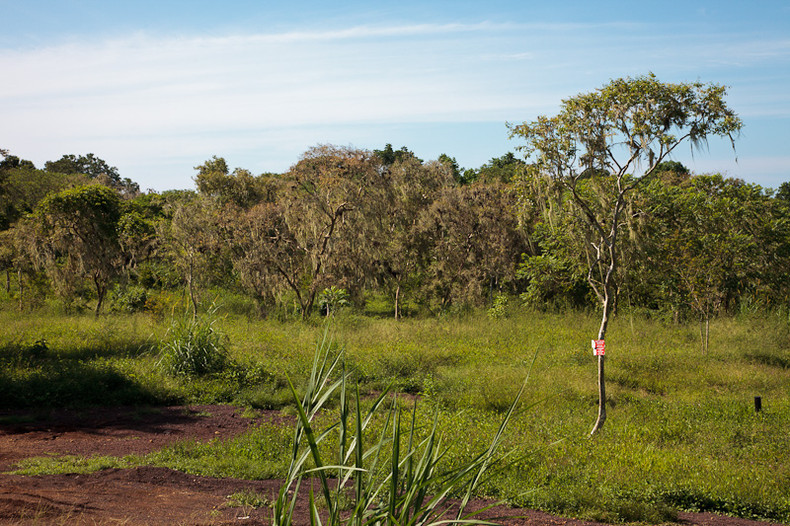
x: 164, y: 303
x: 331, y: 299
x: 193, y: 347
x: 132, y: 298
x: 499, y: 308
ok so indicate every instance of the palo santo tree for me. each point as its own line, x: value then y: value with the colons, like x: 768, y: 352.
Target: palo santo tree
x: 613, y: 139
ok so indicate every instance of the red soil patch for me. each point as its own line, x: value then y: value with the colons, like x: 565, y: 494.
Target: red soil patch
x: 154, y: 496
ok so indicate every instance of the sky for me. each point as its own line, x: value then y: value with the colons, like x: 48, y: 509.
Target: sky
x: 157, y: 87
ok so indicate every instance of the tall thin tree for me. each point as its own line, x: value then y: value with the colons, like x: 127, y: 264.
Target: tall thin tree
x: 620, y: 132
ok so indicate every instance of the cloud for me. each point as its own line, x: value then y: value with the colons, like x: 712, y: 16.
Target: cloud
x: 144, y: 84
x: 180, y: 99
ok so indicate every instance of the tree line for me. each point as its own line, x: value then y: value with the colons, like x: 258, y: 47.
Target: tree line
x: 385, y: 222
x: 346, y: 224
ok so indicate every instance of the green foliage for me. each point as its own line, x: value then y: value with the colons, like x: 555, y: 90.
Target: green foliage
x: 704, y: 247
x: 131, y: 298
x: 73, y: 235
x: 22, y: 187
x: 164, y: 304
x: 96, y: 169
x: 386, y: 225
x: 474, y: 242
x: 240, y: 188
x: 93, y: 207
x: 193, y: 347
x: 89, y: 165
x: 32, y: 467
x: 499, y: 308
x: 332, y: 299
x: 388, y: 156
x: 553, y: 282
x: 396, y: 477
x: 158, y: 274
x: 451, y: 165
x: 502, y: 169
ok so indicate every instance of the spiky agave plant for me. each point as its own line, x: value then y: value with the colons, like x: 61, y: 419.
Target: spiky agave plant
x: 414, y: 490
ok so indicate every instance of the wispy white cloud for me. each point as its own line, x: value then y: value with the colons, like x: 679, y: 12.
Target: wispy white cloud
x: 367, y: 32
x: 146, y: 96
x: 279, y: 80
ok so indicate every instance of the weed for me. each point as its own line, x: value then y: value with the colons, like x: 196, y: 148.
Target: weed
x: 332, y: 299
x: 247, y: 499
x: 193, y: 347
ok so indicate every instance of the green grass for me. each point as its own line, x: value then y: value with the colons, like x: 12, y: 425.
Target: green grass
x: 247, y: 499
x: 682, y: 432
x: 53, y: 465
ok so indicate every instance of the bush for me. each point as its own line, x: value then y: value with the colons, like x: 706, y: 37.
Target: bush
x: 132, y: 298
x: 164, y: 303
x: 499, y: 308
x: 331, y: 300
x: 193, y: 347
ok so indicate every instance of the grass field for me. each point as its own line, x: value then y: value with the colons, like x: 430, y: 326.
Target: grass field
x: 682, y: 430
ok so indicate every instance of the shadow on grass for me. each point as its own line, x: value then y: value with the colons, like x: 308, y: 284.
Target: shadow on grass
x: 769, y: 359
x: 68, y: 383
x: 16, y: 352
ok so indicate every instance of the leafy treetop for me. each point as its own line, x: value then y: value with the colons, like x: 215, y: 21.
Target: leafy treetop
x: 627, y: 127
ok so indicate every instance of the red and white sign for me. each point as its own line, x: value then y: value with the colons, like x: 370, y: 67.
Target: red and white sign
x: 598, y: 347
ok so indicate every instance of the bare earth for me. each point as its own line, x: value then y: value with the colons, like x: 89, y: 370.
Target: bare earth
x: 154, y: 496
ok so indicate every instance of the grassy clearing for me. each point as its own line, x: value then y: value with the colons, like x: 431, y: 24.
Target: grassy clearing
x: 682, y: 432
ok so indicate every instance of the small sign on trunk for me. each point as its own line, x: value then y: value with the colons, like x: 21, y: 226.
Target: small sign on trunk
x: 598, y: 347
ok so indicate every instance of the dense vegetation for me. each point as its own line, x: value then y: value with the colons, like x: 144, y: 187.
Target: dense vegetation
x: 390, y: 235
x: 435, y: 276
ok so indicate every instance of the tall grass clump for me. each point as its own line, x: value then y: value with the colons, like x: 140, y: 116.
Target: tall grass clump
x: 193, y: 347
x: 396, y: 477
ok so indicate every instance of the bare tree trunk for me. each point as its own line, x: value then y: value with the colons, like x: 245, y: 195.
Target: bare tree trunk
x: 307, y: 305
x: 101, y: 292
x: 8, y: 281
x: 707, y: 333
x: 397, y: 302
x: 704, y: 333
x: 99, y: 303
x: 21, y: 289
x: 601, y: 371
x: 191, y: 288
x: 607, y: 304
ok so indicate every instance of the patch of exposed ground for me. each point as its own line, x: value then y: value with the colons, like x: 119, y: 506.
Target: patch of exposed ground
x: 160, y: 496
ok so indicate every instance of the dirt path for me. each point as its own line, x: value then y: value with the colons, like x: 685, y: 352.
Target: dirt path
x: 158, y: 496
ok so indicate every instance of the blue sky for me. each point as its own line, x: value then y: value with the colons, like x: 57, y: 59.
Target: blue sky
x: 157, y: 87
